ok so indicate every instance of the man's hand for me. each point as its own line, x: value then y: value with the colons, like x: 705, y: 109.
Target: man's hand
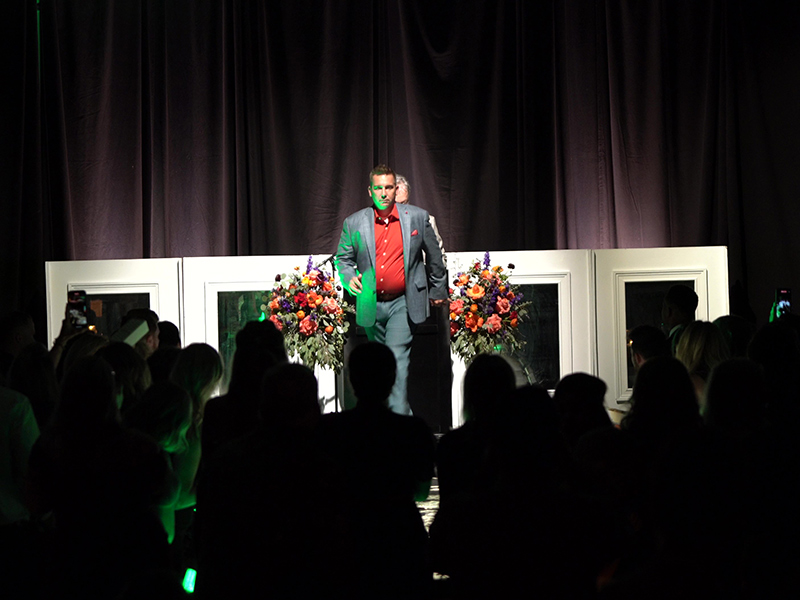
x: 440, y: 302
x: 355, y: 285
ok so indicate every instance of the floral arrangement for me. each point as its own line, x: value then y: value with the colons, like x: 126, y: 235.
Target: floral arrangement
x: 485, y: 311
x: 307, y: 308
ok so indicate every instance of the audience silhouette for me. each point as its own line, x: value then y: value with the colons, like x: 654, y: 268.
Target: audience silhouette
x: 539, y: 496
x: 271, y: 505
x: 259, y: 347
x: 389, y: 459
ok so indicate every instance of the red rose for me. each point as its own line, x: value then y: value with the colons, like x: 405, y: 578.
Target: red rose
x: 300, y: 298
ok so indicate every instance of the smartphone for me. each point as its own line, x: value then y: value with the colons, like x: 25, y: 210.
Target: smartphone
x: 76, y: 300
x: 783, y: 302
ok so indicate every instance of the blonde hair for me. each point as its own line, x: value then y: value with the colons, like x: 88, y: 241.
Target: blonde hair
x: 701, y: 347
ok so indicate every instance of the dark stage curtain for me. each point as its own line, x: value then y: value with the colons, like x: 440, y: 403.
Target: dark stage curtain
x: 242, y: 127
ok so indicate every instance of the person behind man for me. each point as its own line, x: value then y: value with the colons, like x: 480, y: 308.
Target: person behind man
x: 380, y: 261
x: 677, y: 311
x: 403, y: 191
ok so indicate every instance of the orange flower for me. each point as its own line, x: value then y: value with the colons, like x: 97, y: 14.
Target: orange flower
x: 463, y: 280
x: 314, y: 299
x: 329, y: 329
x: 510, y: 295
x: 275, y: 305
x: 473, y: 322
x: 300, y: 314
x: 476, y: 292
x: 513, y: 322
x: 327, y: 286
x: 473, y: 308
x: 485, y: 274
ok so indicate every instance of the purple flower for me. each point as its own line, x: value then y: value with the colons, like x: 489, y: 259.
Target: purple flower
x: 486, y: 261
x: 310, y: 264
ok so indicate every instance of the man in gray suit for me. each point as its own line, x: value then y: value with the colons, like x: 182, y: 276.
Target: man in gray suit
x: 380, y: 262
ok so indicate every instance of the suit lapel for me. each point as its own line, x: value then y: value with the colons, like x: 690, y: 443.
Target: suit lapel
x: 405, y: 228
x: 368, y: 228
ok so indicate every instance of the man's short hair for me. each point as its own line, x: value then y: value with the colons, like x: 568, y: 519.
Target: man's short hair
x: 400, y: 180
x: 381, y: 169
x: 648, y: 342
x: 683, y: 298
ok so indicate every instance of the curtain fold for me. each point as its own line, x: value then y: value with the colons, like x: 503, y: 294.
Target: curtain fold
x: 230, y: 127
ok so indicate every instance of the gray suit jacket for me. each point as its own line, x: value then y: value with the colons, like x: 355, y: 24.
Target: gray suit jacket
x: 356, y: 255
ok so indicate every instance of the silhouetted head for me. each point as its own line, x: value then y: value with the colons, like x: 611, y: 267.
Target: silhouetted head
x: 776, y: 349
x: 580, y: 401
x: 88, y: 399
x: 735, y: 396
x: 33, y: 375
x: 373, y: 370
x: 647, y: 342
x: 162, y: 361
x: 130, y: 371
x: 16, y: 332
x: 289, y: 397
x: 164, y: 412
x: 149, y: 343
x: 679, y: 306
x: 663, y: 398
x: 701, y: 347
x: 85, y: 344
x: 259, y: 347
x: 737, y: 332
x: 198, y: 370
x: 168, y: 335
x: 488, y: 383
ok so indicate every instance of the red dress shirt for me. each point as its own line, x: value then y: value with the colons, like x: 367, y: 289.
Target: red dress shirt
x: 390, y: 275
